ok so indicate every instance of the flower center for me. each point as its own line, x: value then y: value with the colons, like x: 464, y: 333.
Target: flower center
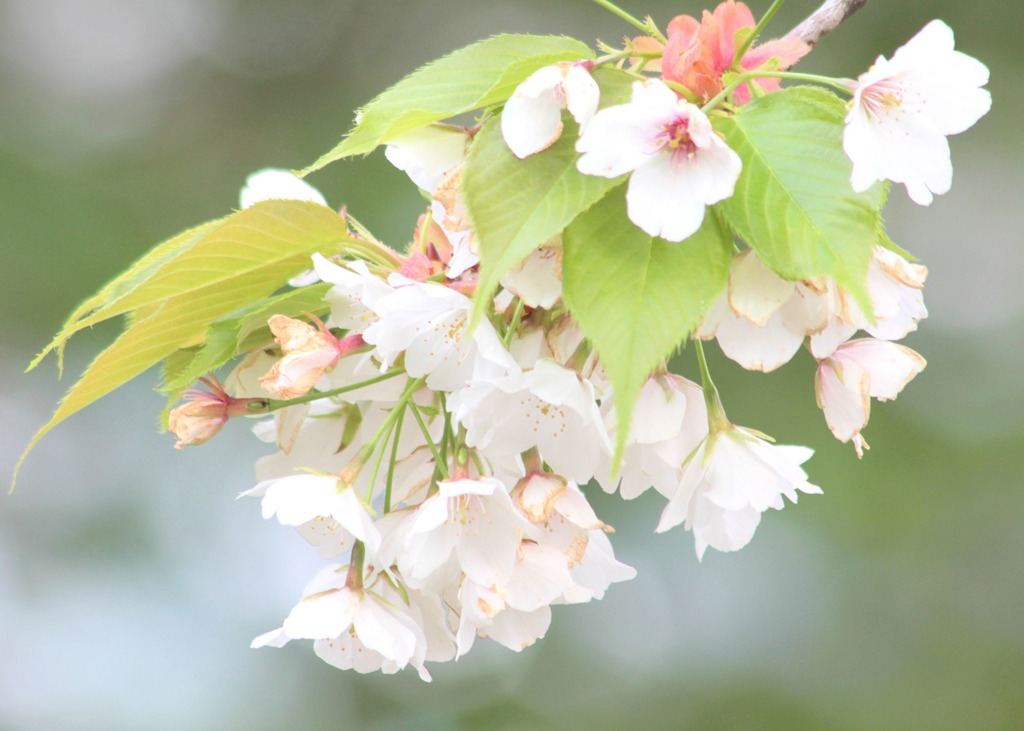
x: 675, y: 138
x: 883, y: 99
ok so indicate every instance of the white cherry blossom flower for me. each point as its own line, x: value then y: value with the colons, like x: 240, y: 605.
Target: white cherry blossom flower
x: 355, y: 628
x: 669, y: 421
x: 761, y: 320
x: 572, y: 531
x: 483, y: 612
x: 532, y: 118
x: 354, y: 293
x: 470, y: 522
x: 853, y: 374
x: 728, y: 481
x: 430, y: 323
x: 895, y: 287
x: 679, y: 164
x: 904, y: 108
x: 299, y: 499
x: 548, y: 407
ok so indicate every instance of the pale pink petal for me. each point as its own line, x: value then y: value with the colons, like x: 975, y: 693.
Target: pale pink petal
x: 755, y: 291
x: 842, y: 392
x: 532, y: 118
x: 891, y: 366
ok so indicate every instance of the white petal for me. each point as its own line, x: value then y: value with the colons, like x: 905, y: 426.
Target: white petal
x: 274, y: 184
x: 383, y: 630
x: 891, y: 366
x: 582, y: 94
x: 842, y: 394
x: 755, y: 291
x: 428, y: 153
x: 326, y: 615
x: 758, y: 348
x: 532, y: 118
x: 662, y: 199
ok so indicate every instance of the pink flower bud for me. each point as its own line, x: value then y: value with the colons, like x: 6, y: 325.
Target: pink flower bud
x: 206, y: 412
x: 308, y: 354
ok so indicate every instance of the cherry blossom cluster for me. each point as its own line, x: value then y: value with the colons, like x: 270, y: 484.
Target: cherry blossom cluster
x: 433, y: 450
x: 901, y: 113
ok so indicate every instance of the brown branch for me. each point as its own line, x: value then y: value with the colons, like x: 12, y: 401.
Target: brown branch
x: 825, y: 19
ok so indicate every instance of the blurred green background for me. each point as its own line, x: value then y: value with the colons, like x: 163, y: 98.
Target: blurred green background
x: 131, y: 582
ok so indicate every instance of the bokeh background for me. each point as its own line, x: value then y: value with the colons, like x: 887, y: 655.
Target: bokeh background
x: 131, y: 581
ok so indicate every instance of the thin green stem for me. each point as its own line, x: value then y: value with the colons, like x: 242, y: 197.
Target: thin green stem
x: 755, y: 74
x: 717, y: 420
x: 623, y: 55
x: 391, y: 465
x: 742, y: 50
x: 838, y: 84
x: 438, y: 462
x: 275, y: 404
x: 517, y: 316
x: 367, y: 450
x: 613, y: 8
x: 380, y: 456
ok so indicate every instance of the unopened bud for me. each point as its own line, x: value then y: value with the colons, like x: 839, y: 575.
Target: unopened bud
x: 308, y: 354
x: 206, y: 412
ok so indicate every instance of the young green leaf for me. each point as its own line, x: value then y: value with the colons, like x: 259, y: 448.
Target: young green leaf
x: 245, y: 259
x: 124, y: 282
x: 636, y: 297
x: 267, y: 234
x: 516, y: 205
x: 477, y: 76
x: 793, y: 203
x: 243, y: 330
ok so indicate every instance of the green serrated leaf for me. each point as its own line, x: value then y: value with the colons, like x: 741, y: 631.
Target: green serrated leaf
x: 616, y: 85
x: 246, y: 258
x: 637, y: 298
x: 793, y: 203
x: 517, y: 205
x: 266, y: 234
x: 124, y: 282
x: 474, y: 77
x: 243, y: 330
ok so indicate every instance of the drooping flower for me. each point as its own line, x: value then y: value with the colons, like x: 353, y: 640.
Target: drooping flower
x: 307, y: 352
x: 206, y: 412
x: 470, y: 522
x: 728, y: 481
x: 698, y: 53
x: 679, y: 164
x: 532, y: 118
x: 761, y: 319
x: 853, y: 374
x: 365, y: 629
x: 669, y: 420
x: 299, y: 500
x: 904, y: 108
